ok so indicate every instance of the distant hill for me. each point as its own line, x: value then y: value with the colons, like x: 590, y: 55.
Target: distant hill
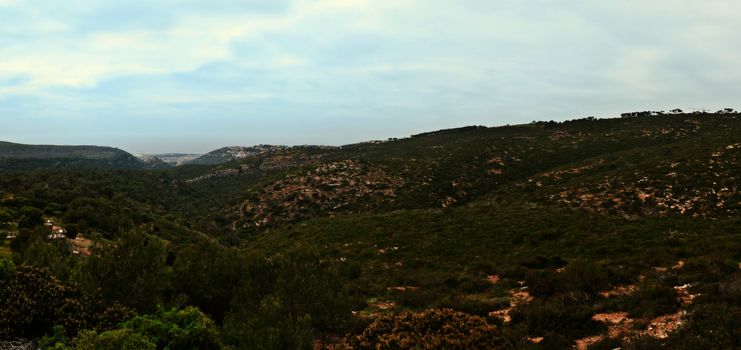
x: 232, y: 153
x: 14, y: 156
x: 154, y: 162
x: 174, y: 159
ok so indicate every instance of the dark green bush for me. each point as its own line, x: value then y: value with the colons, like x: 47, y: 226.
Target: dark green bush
x: 566, y: 315
x: 118, y: 339
x: 177, y: 329
x: 652, y: 300
x: 132, y: 271
x: 33, y: 301
x: 270, y: 326
x: 578, y: 277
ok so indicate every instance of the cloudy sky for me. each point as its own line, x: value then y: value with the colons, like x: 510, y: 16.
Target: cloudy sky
x: 191, y: 76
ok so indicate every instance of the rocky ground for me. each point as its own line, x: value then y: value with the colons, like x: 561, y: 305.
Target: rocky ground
x: 323, y: 190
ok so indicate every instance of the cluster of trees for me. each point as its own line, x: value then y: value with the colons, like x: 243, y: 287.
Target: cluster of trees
x: 727, y: 111
x: 186, y: 328
x: 97, y: 203
x: 649, y: 113
x: 673, y: 111
x: 196, y: 296
x: 451, y: 131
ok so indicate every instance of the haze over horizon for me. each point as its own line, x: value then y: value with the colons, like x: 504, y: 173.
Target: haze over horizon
x: 184, y: 76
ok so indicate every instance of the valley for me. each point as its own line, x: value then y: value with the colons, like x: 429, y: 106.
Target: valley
x: 588, y: 233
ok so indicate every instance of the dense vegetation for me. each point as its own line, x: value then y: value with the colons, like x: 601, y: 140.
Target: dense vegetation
x: 597, y: 233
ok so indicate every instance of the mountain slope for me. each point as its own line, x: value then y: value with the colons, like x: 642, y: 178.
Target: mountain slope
x: 453, y: 167
x: 154, y: 162
x: 232, y: 153
x: 14, y: 156
x: 175, y: 159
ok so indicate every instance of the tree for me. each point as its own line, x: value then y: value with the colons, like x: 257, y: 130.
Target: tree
x: 27, y: 236
x: 72, y: 231
x: 726, y: 111
x: 34, y: 301
x: 5, y: 216
x: 310, y: 285
x: 118, y: 339
x: 30, y: 217
x: 207, y: 274
x: 282, y: 300
x: 44, y: 253
x: 175, y: 329
x: 270, y: 326
x: 131, y: 271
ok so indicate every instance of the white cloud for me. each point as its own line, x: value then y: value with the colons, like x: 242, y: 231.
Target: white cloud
x: 365, y: 59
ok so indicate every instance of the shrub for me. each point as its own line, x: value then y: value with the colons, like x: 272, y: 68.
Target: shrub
x: 188, y: 328
x: 711, y: 326
x: 579, y: 277
x: 30, y: 217
x: 431, y: 329
x: 132, y: 272
x: 652, y: 300
x: 119, y: 339
x: 5, y: 216
x: 564, y: 315
x: 34, y: 301
x: 708, y: 269
x: 268, y: 327
x: 208, y: 273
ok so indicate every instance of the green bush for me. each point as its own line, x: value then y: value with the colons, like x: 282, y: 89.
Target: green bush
x: 652, y: 300
x: 207, y: 274
x: 118, y: 339
x: 578, y: 277
x: 568, y: 316
x: 57, y: 340
x: 176, y: 329
x: 708, y: 269
x: 710, y: 326
x: 132, y: 271
x: 30, y: 217
x: 271, y: 326
x: 5, y: 216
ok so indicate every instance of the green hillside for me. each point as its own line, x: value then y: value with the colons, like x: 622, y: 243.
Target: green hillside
x: 595, y: 233
x: 14, y: 156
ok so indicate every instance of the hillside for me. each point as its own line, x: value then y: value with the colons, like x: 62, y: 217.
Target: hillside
x: 590, y: 233
x: 175, y: 159
x: 153, y: 162
x: 583, y: 163
x: 232, y: 153
x: 15, y: 156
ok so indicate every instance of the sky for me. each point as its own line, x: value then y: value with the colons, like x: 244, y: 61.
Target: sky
x: 161, y: 76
